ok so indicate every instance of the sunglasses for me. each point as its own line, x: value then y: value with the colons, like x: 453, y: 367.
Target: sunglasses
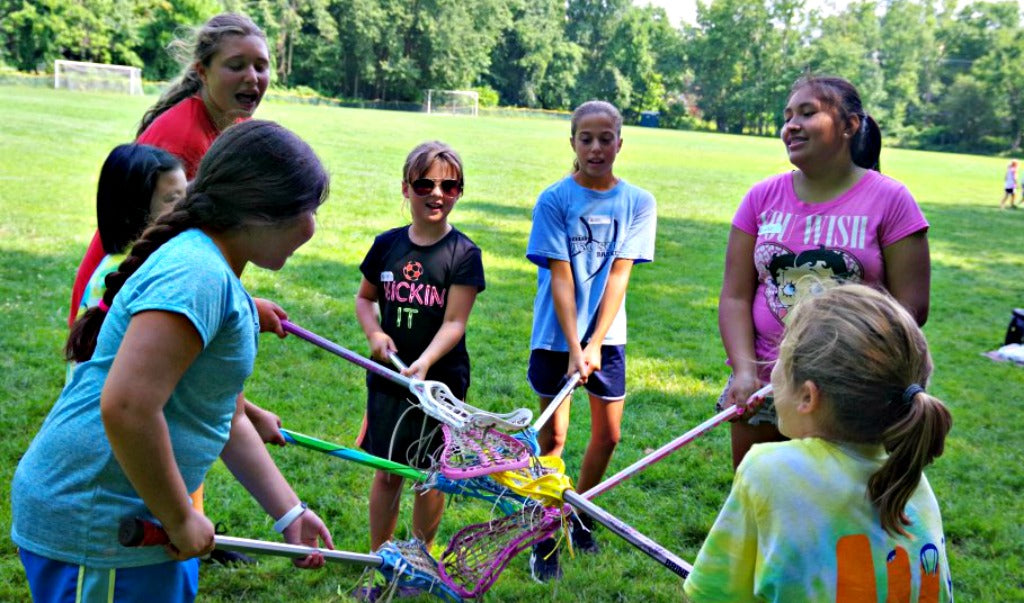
x: 425, y: 186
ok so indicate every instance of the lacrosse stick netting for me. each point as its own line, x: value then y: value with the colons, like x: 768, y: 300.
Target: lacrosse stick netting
x: 408, y: 563
x: 477, y: 554
x: 475, y: 452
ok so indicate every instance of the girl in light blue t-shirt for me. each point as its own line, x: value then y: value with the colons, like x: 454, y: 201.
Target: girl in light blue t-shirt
x: 589, y: 229
x: 155, y: 398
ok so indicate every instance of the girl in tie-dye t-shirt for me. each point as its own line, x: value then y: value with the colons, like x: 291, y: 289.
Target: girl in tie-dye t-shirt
x: 842, y: 512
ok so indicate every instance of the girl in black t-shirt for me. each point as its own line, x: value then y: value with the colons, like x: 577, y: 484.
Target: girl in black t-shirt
x: 425, y: 277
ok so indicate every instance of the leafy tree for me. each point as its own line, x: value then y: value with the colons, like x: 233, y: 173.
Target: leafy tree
x: 525, y: 56
x: 161, y: 22
x: 847, y: 47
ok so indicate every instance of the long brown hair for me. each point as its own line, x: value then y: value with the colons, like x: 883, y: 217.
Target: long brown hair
x: 870, y: 361
x: 205, y: 43
x: 256, y: 172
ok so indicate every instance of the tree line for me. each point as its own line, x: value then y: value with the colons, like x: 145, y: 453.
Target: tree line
x: 933, y: 74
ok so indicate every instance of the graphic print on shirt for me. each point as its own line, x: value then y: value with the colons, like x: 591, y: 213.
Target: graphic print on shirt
x: 855, y: 573
x: 600, y: 245
x: 788, y: 275
x: 413, y: 294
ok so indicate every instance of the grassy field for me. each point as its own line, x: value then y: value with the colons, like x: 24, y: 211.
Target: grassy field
x: 53, y: 144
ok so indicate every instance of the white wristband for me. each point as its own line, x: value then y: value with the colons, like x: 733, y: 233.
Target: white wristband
x: 289, y: 518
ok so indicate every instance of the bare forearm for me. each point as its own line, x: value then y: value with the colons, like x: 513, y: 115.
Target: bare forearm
x: 736, y: 325
x: 446, y: 338
x: 563, y: 296
x: 248, y: 460
x: 367, y: 316
x: 611, y: 301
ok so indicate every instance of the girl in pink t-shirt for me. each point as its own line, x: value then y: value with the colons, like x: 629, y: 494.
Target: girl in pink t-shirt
x: 834, y: 219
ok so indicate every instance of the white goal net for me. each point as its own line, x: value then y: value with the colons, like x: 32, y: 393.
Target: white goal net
x: 453, y: 102
x: 96, y: 77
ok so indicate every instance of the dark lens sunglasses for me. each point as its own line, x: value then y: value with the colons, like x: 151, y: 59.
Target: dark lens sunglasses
x: 425, y: 186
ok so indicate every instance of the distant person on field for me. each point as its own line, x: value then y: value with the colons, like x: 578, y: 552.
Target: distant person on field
x: 842, y: 512
x: 834, y: 219
x: 155, y: 399
x: 427, y: 330
x: 589, y: 229
x: 1010, y: 185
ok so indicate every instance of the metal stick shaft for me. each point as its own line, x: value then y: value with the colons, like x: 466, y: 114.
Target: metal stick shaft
x: 649, y: 547
x: 560, y: 397
x: 349, y: 355
x: 294, y: 551
x: 676, y: 444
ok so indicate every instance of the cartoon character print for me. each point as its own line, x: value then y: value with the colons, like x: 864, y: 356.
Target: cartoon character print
x: 789, y: 276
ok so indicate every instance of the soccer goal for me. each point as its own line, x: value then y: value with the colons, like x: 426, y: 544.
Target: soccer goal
x: 453, y: 102
x: 81, y: 76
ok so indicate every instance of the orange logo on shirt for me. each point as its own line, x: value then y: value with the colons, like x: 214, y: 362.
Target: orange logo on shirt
x: 855, y: 573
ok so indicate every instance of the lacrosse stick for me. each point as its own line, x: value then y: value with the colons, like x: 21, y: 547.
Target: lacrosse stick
x: 405, y: 563
x: 512, y: 421
x: 350, y: 454
x: 477, y: 487
x: 435, y: 398
x: 529, y: 435
x: 755, y: 399
x: 550, y: 485
x: 477, y: 554
x: 471, y: 578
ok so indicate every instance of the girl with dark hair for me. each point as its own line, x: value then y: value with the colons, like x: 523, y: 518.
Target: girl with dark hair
x: 837, y: 202
x: 136, y: 182
x: 156, y: 398
x: 842, y: 512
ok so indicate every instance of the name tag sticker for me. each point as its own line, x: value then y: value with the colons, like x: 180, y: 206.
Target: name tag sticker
x: 599, y: 220
x: 770, y: 228
x: 387, y: 277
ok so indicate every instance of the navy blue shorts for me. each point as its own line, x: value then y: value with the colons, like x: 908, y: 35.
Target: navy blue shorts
x: 547, y: 373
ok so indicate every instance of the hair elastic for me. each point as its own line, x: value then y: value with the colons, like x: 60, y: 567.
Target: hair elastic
x: 912, y: 390
x: 103, y: 306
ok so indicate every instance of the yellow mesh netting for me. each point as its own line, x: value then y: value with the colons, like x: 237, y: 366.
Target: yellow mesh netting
x: 543, y: 480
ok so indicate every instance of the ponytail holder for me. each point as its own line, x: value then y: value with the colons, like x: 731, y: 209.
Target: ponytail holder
x: 912, y: 390
x: 103, y: 306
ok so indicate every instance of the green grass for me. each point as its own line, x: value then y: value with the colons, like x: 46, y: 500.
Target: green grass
x: 53, y: 144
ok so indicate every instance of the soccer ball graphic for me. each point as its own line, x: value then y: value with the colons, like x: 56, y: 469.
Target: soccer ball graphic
x: 413, y: 271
